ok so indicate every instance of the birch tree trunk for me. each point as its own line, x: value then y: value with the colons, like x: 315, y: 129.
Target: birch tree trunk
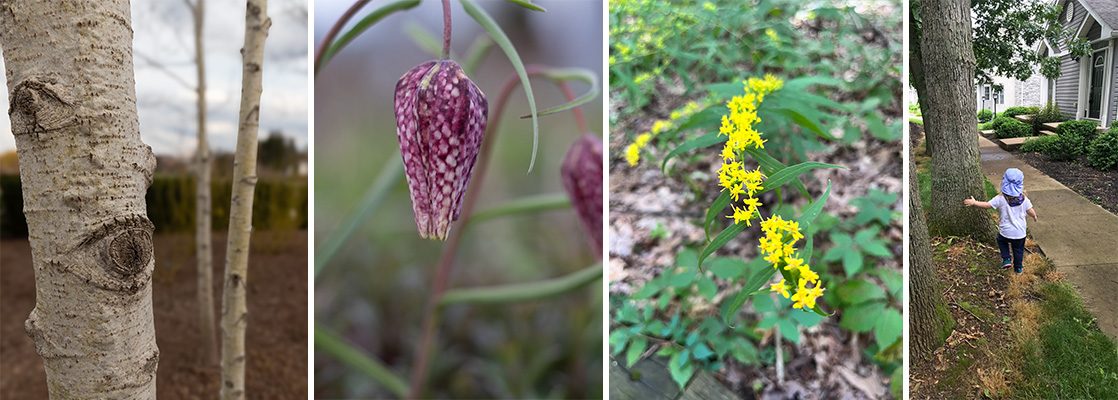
x: 84, y: 173
x: 950, y: 122
x: 234, y: 315
x: 931, y: 322
x: 203, y: 202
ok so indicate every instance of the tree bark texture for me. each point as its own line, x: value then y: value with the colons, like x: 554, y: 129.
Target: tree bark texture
x: 203, y: 201
x: 931, y: 322
x: 234, y: 315
x: 949, y: 120
x: 84, y: 173
x: 915, y: 58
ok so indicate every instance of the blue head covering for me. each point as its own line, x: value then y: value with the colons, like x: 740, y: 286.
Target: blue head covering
x: 1013, y: 185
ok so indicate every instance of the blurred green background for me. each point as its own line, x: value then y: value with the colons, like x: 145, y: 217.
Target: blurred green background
x: 373, y: 292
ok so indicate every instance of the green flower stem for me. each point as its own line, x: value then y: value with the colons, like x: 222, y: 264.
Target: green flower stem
x: 389, y: 176
x: 524, y: 205
x: 524, y: 291
x: 335, y: 346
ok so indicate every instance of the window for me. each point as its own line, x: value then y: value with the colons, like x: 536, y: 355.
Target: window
x: 999, y: 97
x: 1069, y: 12
x: 986, y: 92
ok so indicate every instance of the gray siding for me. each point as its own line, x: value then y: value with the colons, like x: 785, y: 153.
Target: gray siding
x: 1095, y: 32
x: 1067, y: 86
x: 1070, y: 27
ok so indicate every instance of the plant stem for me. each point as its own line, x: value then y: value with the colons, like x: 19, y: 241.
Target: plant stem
x: 522, y: 292
x: 580, y: 119
x: 446, y: 29
x: 333, y: 32
x: 334, y: 345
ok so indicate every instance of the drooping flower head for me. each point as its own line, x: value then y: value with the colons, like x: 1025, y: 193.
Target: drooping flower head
x: 440, y: 121
x: 582, y: 178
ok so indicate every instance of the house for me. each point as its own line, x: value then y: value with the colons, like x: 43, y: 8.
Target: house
x: 1086, y: 87
x: 998, y: 95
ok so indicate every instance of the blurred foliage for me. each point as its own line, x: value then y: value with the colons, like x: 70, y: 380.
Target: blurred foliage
x: 170, y: 202
x: 672, y: 68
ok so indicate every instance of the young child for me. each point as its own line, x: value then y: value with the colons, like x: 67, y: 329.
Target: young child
x: 1012, y: 206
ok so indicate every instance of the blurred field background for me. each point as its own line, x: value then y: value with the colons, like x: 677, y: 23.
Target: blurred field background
x: 373, y: 292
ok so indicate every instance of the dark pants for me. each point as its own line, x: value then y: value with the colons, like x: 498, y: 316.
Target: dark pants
x: 1017, y: 245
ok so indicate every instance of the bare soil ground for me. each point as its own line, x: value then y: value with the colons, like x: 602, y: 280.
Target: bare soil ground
x: 1100, y: 187
x: 277, y: 328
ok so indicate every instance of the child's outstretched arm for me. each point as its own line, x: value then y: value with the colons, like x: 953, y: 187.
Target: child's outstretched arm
x: 1032, y: 213
x: 975, y: 203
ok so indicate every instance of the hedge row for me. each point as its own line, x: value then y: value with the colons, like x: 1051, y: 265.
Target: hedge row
x: 170, y: 202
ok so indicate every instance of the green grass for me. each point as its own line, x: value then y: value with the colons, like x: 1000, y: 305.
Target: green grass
x: 1070, y: 358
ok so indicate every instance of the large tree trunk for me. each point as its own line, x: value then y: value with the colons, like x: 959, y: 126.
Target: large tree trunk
x: 931, y: 322
x: 84, y: 172
x: 234, y: 316
x: 915, y: 57
x: 203, y: 202
x: 949, y: 120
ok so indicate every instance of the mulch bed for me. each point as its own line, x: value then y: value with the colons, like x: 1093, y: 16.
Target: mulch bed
x: 276, y: 340
x: 1100, y: 187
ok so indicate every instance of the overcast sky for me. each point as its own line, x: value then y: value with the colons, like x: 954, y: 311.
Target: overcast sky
x: 163, y: 32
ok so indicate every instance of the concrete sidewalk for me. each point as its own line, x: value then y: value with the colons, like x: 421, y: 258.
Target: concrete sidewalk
x: 1077, y: 235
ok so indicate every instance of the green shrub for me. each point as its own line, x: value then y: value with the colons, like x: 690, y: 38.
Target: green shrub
x: 1103, y: 152
x: 914, y: 109
x: 1076, y: 135
x: 1020, y: 110
x: 1012, y: 128
x: 1043, y: 144
x: 1050, y: 113
x: 985, y: 115
x: 999, y: 121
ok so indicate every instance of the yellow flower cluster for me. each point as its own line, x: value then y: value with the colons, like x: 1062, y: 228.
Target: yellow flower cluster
x: 738, y: 128
x: 779, y: 247
x: 633, y: 151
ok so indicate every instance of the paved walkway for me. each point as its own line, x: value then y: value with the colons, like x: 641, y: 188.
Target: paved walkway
x: 1076, y: 234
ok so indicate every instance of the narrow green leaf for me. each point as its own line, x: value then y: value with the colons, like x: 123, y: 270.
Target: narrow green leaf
x: 636, y: 349
x: 527, y: 4
x: 425, y: 40
x: 476, y: 53
x: 571, y: 74
x: 522, y: 292
x: 812, y: 210
x: 759, y: 275
x: 390, y: 175
x: 362, y: 25
x: 727, y: 234
x: 523, y: 205
x: 807, y: 123
x: 715, y: 211
x: 700, y: 142
x: 334, y: 346
x: 502, y: 41
x: 787, y: 174
x: 770, y: 165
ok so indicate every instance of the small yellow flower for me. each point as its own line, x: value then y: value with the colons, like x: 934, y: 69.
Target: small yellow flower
x: 633, y: 154
x: 808, y: 275
x: 772, y: 35
x: 773, y: 258
x: 793, y: 263
x: 643, y: 139
x: 660, y: 126
x: 780, y: 287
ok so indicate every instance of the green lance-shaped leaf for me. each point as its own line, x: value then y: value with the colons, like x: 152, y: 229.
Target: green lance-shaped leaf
x: 770, y: 166
x: 362, y: 25
x: 570, y: 74
x: 524, y: 205
x: 516, y: 293
x: 425, y: 40
x: 790, y: 173
x: 715, y: 211
x: 527, y: 4
x: 723, y: 237
x: 502, y: 40
x: 388, y: 178
x: 760, y: 274
x: 700, y: 142
x: 334, y: 346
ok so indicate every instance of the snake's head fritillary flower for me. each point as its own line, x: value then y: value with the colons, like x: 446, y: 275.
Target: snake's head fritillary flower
x: 582, y: 178
x: 440, y: 121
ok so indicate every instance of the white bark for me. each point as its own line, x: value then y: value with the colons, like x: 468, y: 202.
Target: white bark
x: 234, y: 313
x: 202, y: 215
x: 84, y: 172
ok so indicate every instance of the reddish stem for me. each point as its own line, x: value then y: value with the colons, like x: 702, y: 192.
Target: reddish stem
x: 446, y: 29
x: 334, y: 30
x: 446, y: 261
